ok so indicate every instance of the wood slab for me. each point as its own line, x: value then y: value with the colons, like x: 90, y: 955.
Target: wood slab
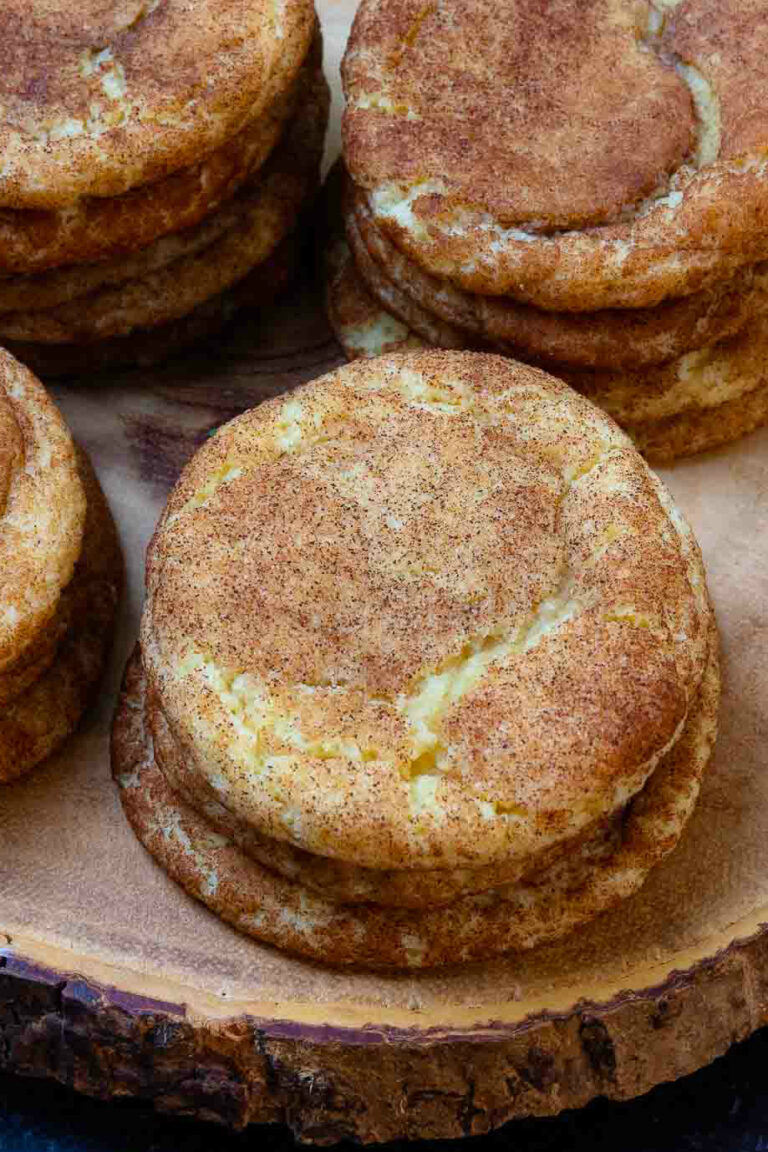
x: 115, y: 982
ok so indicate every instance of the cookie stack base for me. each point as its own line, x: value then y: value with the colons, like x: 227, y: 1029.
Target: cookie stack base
x: 258, y: 902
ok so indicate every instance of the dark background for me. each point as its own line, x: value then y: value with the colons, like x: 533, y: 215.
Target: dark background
x: 722, y: 1108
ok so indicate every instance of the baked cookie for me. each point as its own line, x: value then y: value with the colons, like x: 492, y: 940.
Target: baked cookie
x: 261, y: 903
x: 134, y: 91
x: 411, y: 595
x: 611, y: 157
x: 195, y: 267
x: 621, y: 338
x: 42, y: 510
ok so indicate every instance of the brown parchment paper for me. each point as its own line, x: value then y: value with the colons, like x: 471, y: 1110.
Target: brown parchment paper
x: 79, y: 892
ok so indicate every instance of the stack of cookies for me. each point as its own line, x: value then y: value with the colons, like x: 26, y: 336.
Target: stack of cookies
x: 452, y: 696
x: 586, y: 190
x: 60, y: 575
x: 155, y: 157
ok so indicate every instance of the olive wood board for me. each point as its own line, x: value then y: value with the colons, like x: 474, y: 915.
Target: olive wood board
x: 113, y: 981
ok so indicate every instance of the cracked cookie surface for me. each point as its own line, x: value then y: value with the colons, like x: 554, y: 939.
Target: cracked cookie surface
x: 628, y: 338
x: 605, y: 870
x: 45, y: 254
x: 181, y: 272
x: 701, y: 400
x: 389, y: 616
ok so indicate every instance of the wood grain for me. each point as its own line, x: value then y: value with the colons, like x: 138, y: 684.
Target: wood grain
x: 334, y: 1083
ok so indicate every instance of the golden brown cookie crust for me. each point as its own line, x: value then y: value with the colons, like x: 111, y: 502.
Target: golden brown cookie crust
x: 627, y: 338
x: 264, y: 905
x: 100, y: 98
x: 436, y: 324
x: 705, y: 218
x: 42, y: 509
x: 42, y: 253
x: 336, y: 879
x: 249, y: 229
x: 715, y: 378
x: 39, y: 720
x: 37, y: 656
x: 559, y: 119
x: 706, y: 378
x: 400, y: 628
x: 703, y: 400
x: 699, y: 429
x: 146, y: 347
x: 360, y: 324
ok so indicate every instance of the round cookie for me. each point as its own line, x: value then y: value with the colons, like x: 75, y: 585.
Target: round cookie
x: 622, y: 338
x: 42, y: 509
x: 251, y: 226
x: 711, y: 377
x: 38, y: 721
x: 258, y: 902
x: 134, y: 91
x: 105, y: 229
x: 609, y: 158
x: 460, y: 546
